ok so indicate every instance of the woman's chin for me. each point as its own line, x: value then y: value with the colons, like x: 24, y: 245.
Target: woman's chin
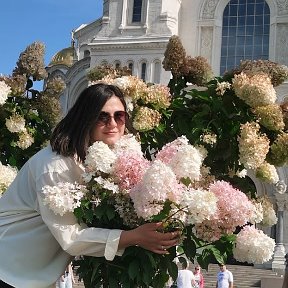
x: 111, y: 140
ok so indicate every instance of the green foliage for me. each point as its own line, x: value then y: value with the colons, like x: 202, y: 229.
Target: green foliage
x: 194, y: 113
x: 137, y: 267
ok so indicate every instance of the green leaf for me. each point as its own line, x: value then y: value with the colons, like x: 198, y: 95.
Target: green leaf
x: 173, y: 270
x: 133, y: 269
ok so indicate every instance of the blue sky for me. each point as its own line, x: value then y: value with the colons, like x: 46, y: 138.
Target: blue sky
x: 48, y: 21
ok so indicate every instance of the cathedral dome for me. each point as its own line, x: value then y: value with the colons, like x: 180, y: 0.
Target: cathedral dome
x: 64, y: 57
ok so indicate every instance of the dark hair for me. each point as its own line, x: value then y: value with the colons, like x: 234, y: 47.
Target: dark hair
x: 184, y: 264
x: 71, y: 135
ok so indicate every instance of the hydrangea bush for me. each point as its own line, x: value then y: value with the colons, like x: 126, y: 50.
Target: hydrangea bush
x: 27, y: 116
x: 121, y: 195
x: 235, y: 117
x: 231, y: 135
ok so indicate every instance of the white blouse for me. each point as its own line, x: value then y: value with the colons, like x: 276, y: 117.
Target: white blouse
x: 35, y: 244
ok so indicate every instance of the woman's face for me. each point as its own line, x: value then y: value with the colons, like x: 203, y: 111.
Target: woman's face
x: 111, y: 122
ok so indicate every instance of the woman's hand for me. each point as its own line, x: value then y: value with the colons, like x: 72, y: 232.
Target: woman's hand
x: 150, y: 237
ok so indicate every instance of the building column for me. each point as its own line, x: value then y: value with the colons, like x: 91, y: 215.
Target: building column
x: 278, y: 262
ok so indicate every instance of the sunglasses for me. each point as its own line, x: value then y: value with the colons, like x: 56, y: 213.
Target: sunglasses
x: 105, y: 118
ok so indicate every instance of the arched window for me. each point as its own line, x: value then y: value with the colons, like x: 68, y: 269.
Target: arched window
x: 104, y: 63
x: 137, y: 11
x: 143, y: 71
x: 245, y: 32
x: 130, y: 67
x: 156, y: 72
x: 86, y: 53
x: 117, y: 64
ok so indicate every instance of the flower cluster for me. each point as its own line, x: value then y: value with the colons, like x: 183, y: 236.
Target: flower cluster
x: 277, y: 73
x: 225, y: 220
x: 270, y: 116
x: 195, y: 70
x: 150, y: 184
x: 27, y: 116
x: 256, y: 90
x: 164, y: 189
x: 7, y: 175
x: 253, y: 146
x: 145, y: 103
x: 279, y: 150
x: 64, y: 197
x: 4, y: 91
x: 253, y: 246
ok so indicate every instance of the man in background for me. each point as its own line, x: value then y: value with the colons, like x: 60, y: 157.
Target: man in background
x: 186, y: 278
x: 224, y: 277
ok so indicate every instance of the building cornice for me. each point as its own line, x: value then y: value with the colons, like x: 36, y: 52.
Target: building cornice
x: 125, y: 45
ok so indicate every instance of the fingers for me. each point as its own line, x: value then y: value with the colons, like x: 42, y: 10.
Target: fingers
x: 150, y: 237
x: 160, y: 250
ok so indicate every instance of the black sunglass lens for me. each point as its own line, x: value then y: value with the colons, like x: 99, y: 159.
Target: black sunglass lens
x: 104, y: 118
x: 120, y: 116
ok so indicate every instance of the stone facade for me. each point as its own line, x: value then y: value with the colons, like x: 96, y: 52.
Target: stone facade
x: 114, y: 39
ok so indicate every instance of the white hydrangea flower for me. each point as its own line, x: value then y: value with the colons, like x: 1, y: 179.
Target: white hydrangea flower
x: 158, y: 184
x: 7, y: 175
x: 127, y: 143
x: 267, y: 172
x: 106, y: 184
x: 122, y: 82
x: 253, y: 246
x: 269, y: 216
x: 241, y: 173
x: 199, y: 204
x: 100, y: 158
x: 15, y: 123
x: 63, y: 197
x: 255, y: 90
x: 4, y: 92
x: 187, y: 162
x: 222, y: 87
x: 209, y: 138
x: 256, y: 213
x: 25, y: 140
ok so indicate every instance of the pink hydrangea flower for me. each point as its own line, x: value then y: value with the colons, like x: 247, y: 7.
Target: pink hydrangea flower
x: 129, y: 169
x: 158, y: 184
x: 234, y: 209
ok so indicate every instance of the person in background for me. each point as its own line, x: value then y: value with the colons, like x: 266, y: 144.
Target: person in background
x: 224, y: 277
x: 185, y: 277
x: 199, y: 279
x: 37, y: 244
x: 66, y: 280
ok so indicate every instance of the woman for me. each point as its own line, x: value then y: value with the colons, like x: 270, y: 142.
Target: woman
x: 199, y: 279
x: 37, y: 244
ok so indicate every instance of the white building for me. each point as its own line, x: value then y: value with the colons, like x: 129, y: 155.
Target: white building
x: 135, y: 33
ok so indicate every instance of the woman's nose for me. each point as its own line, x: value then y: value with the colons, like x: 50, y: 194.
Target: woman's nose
x: 112, y: 122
